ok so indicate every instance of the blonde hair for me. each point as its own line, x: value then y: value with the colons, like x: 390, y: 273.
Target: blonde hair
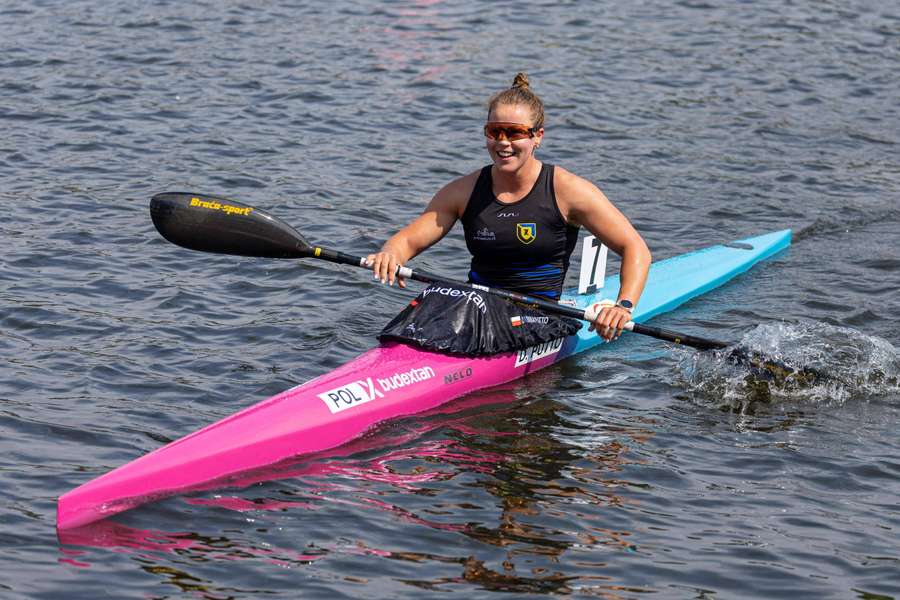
x: 520, y: 94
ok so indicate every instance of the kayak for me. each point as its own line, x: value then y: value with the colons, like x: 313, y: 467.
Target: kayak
x: 386, y: 382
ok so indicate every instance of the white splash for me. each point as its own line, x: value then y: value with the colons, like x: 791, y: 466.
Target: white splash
x: 850, y: 366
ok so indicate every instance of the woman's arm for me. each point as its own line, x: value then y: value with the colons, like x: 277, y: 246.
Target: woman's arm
x: 432, y: 225
x: 582, y: 203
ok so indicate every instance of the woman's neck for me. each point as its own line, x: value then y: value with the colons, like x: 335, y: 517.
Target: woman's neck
x: 511, y: 186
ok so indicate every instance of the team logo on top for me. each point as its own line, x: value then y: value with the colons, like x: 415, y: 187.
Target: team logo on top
x: 526, y: 232
x: 485, y: 235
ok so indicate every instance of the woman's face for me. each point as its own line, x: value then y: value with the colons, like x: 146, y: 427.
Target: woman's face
x: 511, y: 155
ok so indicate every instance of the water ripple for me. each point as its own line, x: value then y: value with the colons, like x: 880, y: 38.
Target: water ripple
x: 635, y: 470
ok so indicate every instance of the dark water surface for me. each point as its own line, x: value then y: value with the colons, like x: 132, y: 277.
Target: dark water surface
x: 635, y: 471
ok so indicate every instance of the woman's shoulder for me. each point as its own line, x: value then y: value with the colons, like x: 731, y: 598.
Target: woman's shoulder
x: 462, y: 186
x: 469, y: 179
x: 577, y: 197
x: 568, y: 184
x: 456, y: 193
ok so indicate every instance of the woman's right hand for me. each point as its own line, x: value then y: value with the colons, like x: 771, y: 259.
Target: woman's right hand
x: 384, y: 266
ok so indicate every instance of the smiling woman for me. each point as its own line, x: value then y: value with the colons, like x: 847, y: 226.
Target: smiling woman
x: 521, y: 217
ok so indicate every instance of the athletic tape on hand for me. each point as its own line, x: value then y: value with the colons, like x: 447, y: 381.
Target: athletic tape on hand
x: 593, y: 311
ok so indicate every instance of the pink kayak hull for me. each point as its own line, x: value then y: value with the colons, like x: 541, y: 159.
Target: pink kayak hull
x: 381, y: 384
x: 389, y: 381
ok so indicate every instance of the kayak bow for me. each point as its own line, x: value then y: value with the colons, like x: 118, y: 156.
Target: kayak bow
x: 388, y: 381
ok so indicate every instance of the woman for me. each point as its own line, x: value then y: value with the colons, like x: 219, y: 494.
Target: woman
x: 521, y: 217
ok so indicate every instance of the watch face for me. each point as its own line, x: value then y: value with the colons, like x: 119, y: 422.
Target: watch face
x: 626, y: 304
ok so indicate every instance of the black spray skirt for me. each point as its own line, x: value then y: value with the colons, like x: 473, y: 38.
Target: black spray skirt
x: 455, y: 320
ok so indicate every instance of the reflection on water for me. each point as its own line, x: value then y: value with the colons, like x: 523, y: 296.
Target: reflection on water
x: 525, y: 487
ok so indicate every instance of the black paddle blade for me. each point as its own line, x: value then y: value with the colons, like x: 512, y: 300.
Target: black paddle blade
x: 773, y: 370
x: 224, y: 226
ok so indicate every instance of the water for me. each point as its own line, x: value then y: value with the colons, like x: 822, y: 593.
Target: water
x: 633, y: 471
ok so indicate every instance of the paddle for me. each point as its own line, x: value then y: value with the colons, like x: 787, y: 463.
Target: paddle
x: 213, y: 224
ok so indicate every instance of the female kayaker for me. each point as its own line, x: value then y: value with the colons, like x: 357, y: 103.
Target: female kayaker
x: 521, y: 216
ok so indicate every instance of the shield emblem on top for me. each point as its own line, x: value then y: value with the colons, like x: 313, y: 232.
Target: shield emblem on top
x: 526, y: 232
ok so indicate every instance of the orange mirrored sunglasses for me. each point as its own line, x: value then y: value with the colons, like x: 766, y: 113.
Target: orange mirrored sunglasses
x: 497, y: 130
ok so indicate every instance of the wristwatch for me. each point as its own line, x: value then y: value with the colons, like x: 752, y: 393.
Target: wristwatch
x: 626, y: 304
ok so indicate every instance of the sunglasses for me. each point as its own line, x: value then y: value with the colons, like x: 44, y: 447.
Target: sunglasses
x: 511, y: 131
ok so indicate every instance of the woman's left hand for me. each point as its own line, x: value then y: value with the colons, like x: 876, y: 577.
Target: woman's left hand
x: 611, y: 320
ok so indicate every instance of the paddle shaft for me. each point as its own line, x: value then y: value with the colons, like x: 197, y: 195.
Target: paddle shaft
x: 213, y: 224
x: 529, y: 301
x: 425, y: 277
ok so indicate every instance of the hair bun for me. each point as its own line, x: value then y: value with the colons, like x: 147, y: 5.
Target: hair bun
x: 520, y: 81
x: 519, y: 94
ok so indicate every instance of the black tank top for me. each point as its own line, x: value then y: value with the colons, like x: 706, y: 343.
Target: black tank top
x: 523, y: 246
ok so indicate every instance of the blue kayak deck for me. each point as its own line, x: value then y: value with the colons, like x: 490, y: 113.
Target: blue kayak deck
x: 676, y: 280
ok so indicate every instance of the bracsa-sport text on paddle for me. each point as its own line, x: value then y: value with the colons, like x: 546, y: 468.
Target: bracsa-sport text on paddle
x: 224, y: 226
